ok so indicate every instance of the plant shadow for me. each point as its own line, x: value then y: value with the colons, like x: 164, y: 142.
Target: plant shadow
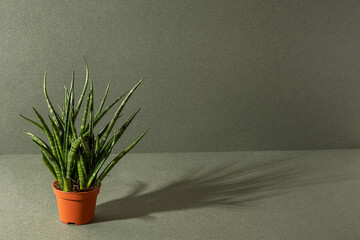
x: 230, y: 185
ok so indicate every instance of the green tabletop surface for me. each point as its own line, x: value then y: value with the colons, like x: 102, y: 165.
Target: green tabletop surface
x: 276, y: 195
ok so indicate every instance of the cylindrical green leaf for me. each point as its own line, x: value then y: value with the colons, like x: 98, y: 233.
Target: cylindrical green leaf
x: 66, y: 136
x: 49, y: 166
x: 33, y: 122
x: 113, y: 120
x: 58, y: 143
x: 117, y: 158
x: 48, y: 133
x: 83, y: 91
x: 98, y: 116
x: 103, y: 100
x: 54, y: 163
x: 67, y: 185
x: 71, y: 155
x: 50, y: 106
x: 119, y: 133
x: 83, y: 122
x: 81, y: 175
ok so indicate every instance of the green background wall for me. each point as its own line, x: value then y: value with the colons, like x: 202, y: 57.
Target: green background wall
x: 221, y: 75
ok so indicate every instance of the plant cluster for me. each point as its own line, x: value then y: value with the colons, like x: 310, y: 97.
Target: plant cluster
x: 75, y: 158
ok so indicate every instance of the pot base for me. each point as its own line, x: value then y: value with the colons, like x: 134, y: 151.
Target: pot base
x: 76, y: 223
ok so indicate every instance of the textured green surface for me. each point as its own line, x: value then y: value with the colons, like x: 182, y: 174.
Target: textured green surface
x: 276, y: 196
x: 77, y: 160
x: 222, y: 75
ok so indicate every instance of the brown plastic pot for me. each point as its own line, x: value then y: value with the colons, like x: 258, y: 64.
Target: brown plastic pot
x: 76, y: 207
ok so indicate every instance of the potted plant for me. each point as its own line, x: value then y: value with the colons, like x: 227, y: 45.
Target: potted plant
x: 76, y: 157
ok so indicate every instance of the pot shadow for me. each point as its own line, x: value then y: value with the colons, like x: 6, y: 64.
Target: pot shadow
x: 228, y: 185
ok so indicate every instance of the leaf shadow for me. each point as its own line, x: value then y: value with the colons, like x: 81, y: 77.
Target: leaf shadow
x: 226, y: 185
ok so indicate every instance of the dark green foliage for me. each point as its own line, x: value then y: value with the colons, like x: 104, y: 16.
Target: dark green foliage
x: 77, y: 158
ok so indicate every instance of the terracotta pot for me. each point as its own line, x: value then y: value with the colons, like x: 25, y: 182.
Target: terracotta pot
x: 76, y: 207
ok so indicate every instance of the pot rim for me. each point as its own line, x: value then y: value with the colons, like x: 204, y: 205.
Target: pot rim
x: 76, y: 195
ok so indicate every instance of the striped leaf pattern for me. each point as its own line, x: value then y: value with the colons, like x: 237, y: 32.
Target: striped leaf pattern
x: 77, y: 158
